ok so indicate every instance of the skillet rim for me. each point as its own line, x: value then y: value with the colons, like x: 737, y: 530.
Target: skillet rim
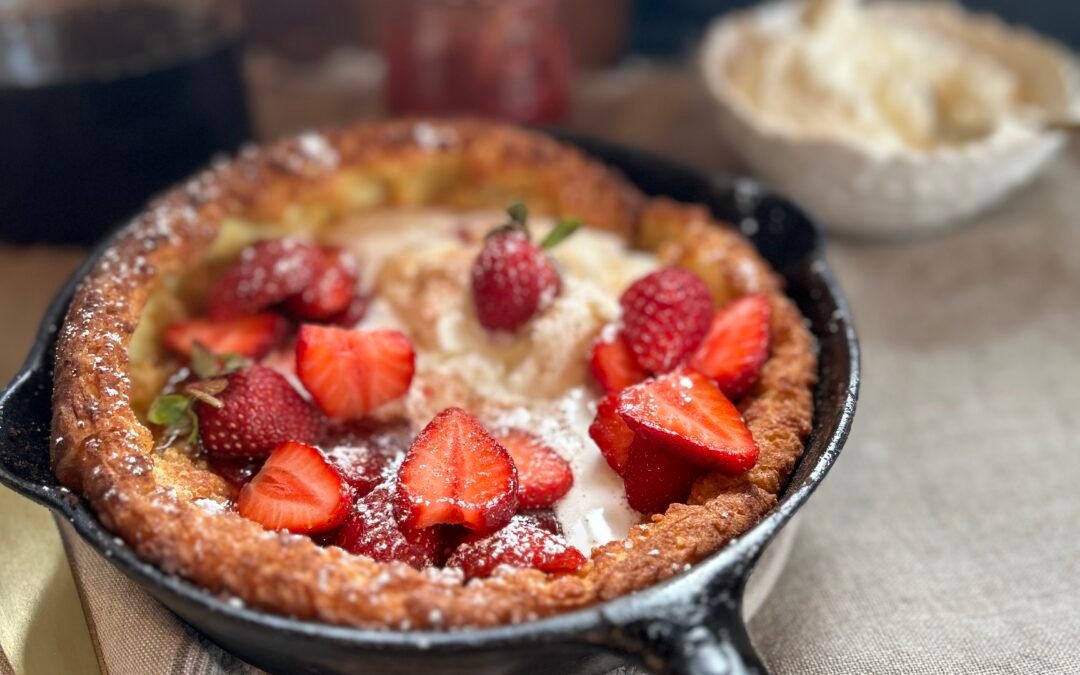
x: 734, y: 561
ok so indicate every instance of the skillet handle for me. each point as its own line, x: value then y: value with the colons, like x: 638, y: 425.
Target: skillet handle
x: 25, y: 415
x: 700, y: 633
x: 725, y: 651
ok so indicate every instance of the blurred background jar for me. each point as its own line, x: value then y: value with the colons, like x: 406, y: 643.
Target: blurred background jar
x: 102, y: 104
x: 509, y: 59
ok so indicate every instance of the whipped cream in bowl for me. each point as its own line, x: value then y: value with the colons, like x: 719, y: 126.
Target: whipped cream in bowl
x: 887, y: 117
x: 886, y: 80
x: 416, y: 262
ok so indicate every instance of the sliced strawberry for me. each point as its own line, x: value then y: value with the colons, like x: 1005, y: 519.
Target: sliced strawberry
x: 519, y: 544
x: 686, y: 413
x: 349, y: 373
x: 737, y: 346
x: 267, y: 273
x: 455, y: 473
x: 610, y: 433
x: 351, y: 315
x: 374, y: 530
x: 512, y: 280
x: 237, y: 471
x: 330, y: 291
x: 613, y: 364
x: 655, y: 478
x: 260, y: 411
x: 251, y: 336
x: 665, y: 316
x: 544, y: 477
x: 545, y: 519
x: 297, y: 490
x: 364, y: 451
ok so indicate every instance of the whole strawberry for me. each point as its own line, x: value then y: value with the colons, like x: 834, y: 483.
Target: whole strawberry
x: 512, y: 278
x: 665, y: 316
x: 259, y: 410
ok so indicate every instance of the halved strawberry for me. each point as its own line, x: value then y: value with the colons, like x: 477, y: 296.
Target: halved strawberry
x: 251, y: 336
x: 237, y: 471
x: 613, y: 364
x: 297, y: 490
x: 330, y: 291
x: 686, y: 413
x: 737, y: 346
x: 519, y: 544
x: 610, y: 433
x: 544, y: 477
x: 655, y: 478
x: 374, y: 530
x: 665, y: 316
x: 455, y: 473
x: 260, y: 410
x: 364, y: 451
x: 267, y: 273
x: 349, y: 373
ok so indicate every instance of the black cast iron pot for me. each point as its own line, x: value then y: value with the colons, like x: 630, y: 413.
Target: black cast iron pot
x: 690, y: 624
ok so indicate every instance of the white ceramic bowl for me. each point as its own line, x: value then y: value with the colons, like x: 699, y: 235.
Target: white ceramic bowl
x: 854, y: 188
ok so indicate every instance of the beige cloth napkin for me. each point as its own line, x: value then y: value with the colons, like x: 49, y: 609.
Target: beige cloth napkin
x: 5, y: 665
x: 132, y: 633
x: 41, y: 626
x: 947, y: 539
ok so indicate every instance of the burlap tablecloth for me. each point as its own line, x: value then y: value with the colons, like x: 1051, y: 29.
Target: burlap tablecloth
x: 946, y: 540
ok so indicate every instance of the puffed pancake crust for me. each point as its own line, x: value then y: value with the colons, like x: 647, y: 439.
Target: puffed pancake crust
x: 156, y: 501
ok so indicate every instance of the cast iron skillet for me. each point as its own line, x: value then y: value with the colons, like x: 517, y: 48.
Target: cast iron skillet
x: 690, y: 624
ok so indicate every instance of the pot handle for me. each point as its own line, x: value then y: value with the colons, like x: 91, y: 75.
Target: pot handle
x: 25, y: 412
x: 726, y: 651
x: 701, y: 632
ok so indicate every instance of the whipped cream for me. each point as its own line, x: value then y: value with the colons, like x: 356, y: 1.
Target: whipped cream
x: 875, y: 77
x: 417, y: 262
x: 595, y: 510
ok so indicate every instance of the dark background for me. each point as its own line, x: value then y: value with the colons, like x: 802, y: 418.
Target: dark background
x: 670, y: 27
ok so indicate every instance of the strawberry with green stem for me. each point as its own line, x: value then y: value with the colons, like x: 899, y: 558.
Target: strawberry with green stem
x: 176, y: 410
x: 512, y: 277
x: 237, y: 410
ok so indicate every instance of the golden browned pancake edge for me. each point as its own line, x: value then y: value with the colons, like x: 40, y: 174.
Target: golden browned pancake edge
x: 102, y: 451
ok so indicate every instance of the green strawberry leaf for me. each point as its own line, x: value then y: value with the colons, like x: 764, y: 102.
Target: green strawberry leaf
x: 169, y: 410
x: 518, y: 213
x: 230, y: 363
x: 207, y: 364
x: 193, y: 420
x: 207, y: 391
x: 563, y: 229
x: 203, y: 361
x: 174, y: 412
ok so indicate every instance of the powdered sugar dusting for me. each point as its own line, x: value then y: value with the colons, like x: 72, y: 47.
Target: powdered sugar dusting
x: 519, y: 544
x: 431, y: 137
x: 211, y: 505
x: 315, y: 148
x: 595, y: 511
x: 534, y: 379
x: 311, y: 155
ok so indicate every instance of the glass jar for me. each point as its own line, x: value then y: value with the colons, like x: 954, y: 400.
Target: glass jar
x: 508, y: 59
x: 103, y: 104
